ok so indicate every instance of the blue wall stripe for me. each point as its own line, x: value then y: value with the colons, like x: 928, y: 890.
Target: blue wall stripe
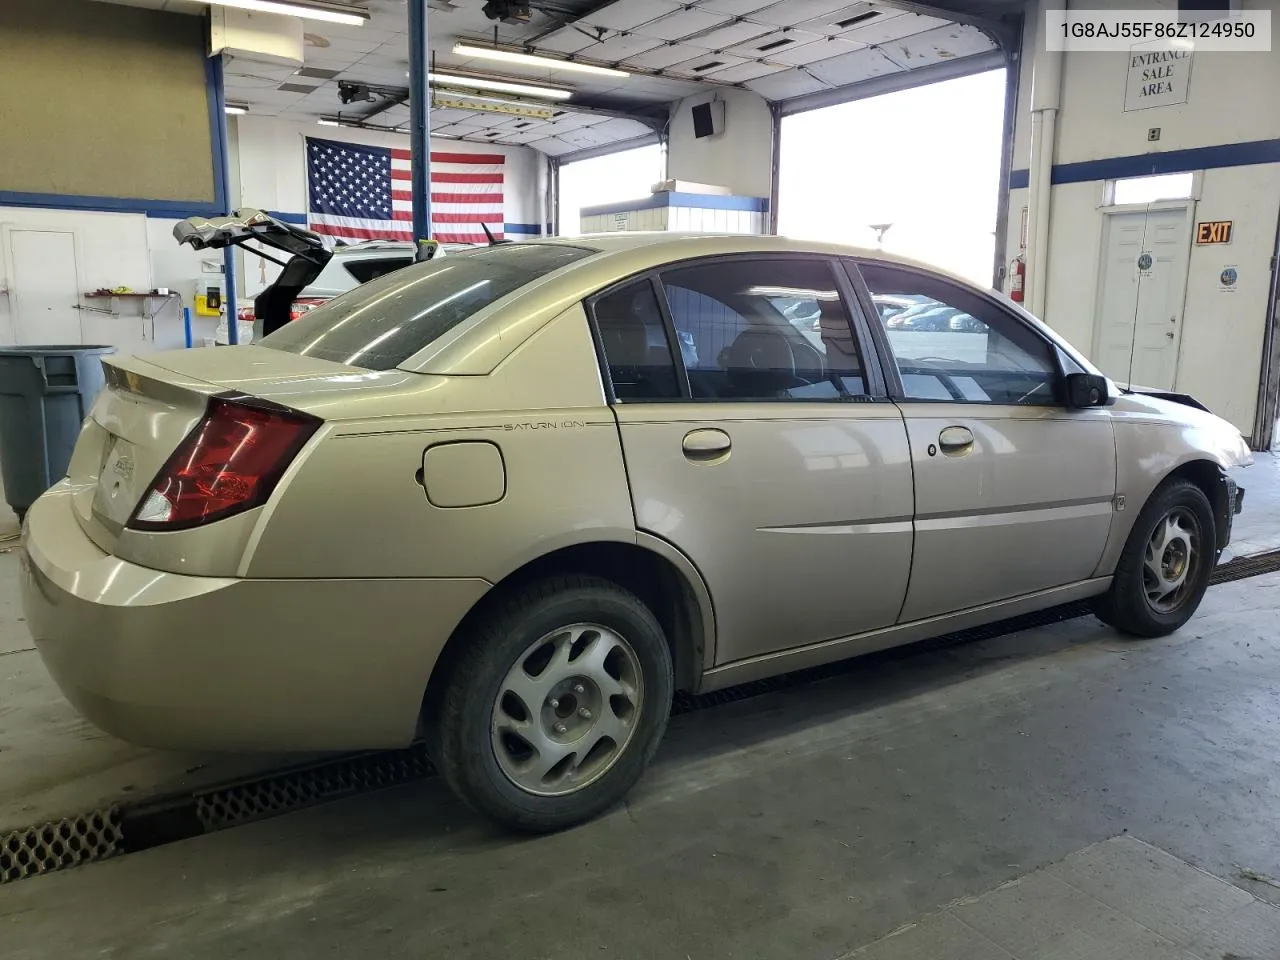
x: 299, y: 218
x: 704, y: 201
x: 175, y: 209
x: 1148, y: 164
x: 523, y: 228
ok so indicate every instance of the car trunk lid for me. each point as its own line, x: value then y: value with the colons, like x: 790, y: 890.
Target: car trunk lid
x: 148, y: 406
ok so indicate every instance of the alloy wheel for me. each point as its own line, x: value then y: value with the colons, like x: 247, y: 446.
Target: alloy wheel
x: 567, y: 709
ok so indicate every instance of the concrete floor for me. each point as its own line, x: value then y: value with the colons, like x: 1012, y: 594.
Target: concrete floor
x: 864, y: 813
x: 805, y: 824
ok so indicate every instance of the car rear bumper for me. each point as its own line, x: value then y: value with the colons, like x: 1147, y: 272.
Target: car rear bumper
x: 212, y: 663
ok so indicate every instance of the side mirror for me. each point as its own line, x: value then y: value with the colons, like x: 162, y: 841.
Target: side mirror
x: 1086, y: 390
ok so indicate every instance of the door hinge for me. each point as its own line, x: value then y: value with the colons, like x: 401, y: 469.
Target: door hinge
x: 1117, y: 502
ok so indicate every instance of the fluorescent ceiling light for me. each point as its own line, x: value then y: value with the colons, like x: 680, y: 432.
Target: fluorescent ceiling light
x: 500, y: 86
x: 328, y: 123
x: 531, y: 60
x: 330, y: 13
x: 235, y: 109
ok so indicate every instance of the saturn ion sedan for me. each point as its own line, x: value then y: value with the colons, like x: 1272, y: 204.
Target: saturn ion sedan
x: 512, y: 501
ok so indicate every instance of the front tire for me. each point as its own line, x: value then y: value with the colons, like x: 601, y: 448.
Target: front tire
x: 1164, y: 570
x: 556, y: 705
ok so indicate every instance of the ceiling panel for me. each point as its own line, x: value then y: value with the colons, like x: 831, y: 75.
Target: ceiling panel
x: 566, y: 40
x: 735, y: 8
x: 628, y: 14
x: 771, y: 45
x: 811, y: 53
x: 847, y: 18
x: 707, y: 64
x: 747, y: 71
x: 790, y: 12
x: 945, y: 43
x: 675, y: 26
x: 554, y: 146
x: 787, y: 83
x: 853, y: 67
x: 662, y: 57
x: 620, y: 46
x: 730, y: 35
x: 885, y: 29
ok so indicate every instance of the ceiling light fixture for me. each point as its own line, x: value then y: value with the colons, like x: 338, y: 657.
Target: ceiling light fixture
x: 332, y: 13
x: 510, y: 108
x: 534, y: 60
x: 328, y: 123
x: 236, y: 109
x: 499, y: 86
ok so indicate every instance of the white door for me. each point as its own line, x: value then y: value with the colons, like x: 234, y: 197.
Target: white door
x: 1144, y: 280
x: 44, y: 290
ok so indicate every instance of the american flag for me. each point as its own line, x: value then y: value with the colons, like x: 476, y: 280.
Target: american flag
x: 356, y: 192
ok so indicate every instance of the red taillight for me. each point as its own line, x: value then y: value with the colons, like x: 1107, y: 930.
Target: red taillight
x: 229, y: 463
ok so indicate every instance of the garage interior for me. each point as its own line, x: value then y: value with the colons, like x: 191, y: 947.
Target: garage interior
x: 1038, y: 787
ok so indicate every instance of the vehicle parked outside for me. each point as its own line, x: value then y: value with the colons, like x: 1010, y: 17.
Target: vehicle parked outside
x: 513, y: 500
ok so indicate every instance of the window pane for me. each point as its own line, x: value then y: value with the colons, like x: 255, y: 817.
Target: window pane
x: 384, y: 322
x: 1162, y: 186
x: 952, y: 345
x: 764, y: 330
x: 635, y: 344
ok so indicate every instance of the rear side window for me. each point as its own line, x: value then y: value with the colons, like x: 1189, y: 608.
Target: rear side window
x: 384, y: 322
x: 641, y: 366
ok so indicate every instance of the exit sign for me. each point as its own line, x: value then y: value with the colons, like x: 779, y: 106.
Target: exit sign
x: 1213, y: 231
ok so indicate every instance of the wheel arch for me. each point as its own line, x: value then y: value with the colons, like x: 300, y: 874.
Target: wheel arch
x: 1210, y: 477
x: 662, y: 577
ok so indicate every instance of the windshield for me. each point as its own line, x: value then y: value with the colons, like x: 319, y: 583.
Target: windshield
x: 384, y: 322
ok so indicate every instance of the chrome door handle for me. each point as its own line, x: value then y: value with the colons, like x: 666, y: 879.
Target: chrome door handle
x: 707, y: 444
x: 955, y: 439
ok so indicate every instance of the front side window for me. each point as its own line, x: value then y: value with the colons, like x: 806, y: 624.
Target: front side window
x: 382, y: 323
x: 758, y: 329
x: 952, y: 345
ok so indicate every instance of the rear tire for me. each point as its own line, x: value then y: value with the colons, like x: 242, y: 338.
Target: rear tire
x: 556, y: 704
x: 1164, y: 570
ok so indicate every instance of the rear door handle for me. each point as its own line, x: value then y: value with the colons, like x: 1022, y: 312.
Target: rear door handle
x: 955, y: 439
x: 706, y: 444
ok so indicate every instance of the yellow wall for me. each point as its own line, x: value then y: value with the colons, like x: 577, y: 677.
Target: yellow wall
x: 106, y: 100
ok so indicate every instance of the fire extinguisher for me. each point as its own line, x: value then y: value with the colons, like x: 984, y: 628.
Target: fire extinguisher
x: 1017, y: 276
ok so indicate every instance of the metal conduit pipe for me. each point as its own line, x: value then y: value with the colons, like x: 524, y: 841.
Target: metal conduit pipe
x: 1046, y: 93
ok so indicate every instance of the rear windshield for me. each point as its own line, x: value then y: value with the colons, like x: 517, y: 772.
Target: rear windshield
x: 384, y: 322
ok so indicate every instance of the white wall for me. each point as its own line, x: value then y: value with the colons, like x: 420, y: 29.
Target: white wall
x: 1231, y: 99
x: 740, y: 158
x: 112, y: 250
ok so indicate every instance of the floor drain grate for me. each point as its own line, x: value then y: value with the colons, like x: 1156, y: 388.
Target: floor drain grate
x: 59, y: 844
x: 107, y: 832
x: 255, y: 799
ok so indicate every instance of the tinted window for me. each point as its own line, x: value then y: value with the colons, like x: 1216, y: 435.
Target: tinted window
x: 366, y: 270
x: 635, y: 343
x: 951, y: 344
x: 764, y: 330
x: 385, y: 321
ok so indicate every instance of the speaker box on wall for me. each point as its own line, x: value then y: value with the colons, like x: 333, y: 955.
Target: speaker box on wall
x: 708, y: 118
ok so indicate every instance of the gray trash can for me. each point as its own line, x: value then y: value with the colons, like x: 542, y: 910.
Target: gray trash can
x: 45, y: 394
